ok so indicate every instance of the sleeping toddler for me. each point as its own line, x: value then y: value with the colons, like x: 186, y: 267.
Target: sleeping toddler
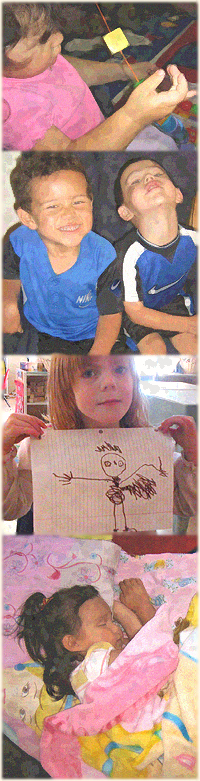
x: 74, y: 634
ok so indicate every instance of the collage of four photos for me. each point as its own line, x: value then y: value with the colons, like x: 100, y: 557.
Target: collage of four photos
x: 99, y: 389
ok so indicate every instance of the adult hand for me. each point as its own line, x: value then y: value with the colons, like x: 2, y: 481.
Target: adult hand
x: 152, y: 105
x: 183, y: 429
x: 19, y: 426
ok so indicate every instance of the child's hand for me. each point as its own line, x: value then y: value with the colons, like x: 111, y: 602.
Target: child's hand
x: 141, y: 69
x: 132, y: 591
x: 183, y: 430
x: 151, y: 105
x: 19, y: 426
x: 135, y: 597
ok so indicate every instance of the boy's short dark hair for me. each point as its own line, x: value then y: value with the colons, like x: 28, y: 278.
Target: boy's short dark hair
x: 38, y: 164
x: 136, y: 159
x: 19, y: 19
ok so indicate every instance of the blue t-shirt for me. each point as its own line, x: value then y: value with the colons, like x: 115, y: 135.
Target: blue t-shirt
x: 62, y: 305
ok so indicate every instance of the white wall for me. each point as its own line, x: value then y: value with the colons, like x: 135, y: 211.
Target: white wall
x: 9, y: 215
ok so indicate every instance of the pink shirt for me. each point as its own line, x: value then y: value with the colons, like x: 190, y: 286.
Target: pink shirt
x: 58, y: 96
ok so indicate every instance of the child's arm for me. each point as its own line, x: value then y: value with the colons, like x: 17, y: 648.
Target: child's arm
x: 11, y: 316
x: 102, y: 72
x: 135, y: 597
x: 108, y: 328
x: 152, y: 318
x: 133, y: 610
x: 144, y: 106
x: 127, y: 618
x: 183, y: 429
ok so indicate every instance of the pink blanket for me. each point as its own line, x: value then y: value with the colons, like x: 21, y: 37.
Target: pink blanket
x: 125, y: 694
x: 42, y: 563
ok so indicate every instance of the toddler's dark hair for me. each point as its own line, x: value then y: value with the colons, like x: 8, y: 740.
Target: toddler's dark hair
x: 38, y: 164
x: 42, y: 624
x: 19, y: 19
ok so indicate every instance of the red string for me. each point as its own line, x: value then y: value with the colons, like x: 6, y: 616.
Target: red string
x: 109, y: 30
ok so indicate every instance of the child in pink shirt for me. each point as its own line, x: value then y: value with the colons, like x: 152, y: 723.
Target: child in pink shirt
x: 57, y: 96
x: 47, y: 104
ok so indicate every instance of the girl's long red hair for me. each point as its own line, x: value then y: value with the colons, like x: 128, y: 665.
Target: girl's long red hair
x: 63, y: 410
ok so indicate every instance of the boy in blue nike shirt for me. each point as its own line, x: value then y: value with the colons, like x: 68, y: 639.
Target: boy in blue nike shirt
x: 156, y: 263
x: 55, y: 257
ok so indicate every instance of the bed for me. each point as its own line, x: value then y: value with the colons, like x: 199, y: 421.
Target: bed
x: 131, y: 715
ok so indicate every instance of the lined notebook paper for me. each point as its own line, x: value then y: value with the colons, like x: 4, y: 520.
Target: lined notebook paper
x: 96, y: 481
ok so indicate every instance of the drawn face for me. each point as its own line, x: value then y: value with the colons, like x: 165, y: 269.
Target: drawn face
x: 61, y: 210
x: 29, y: 56
x: 21, y: 694
x: 96, y: 626
x: 146, y: 185
x: 113, y: 464
x: 103, y: 390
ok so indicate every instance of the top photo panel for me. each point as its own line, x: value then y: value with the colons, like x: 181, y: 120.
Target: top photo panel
x: 99, y: 77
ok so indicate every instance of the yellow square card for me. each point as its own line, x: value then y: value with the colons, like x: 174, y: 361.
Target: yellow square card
x: 116, y: 40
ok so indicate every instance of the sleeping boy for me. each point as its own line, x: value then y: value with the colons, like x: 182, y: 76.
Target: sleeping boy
x: 156, y: 263
x: 56, y: 257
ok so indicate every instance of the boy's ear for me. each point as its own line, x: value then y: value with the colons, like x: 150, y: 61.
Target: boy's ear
x: 179, y: 195
x: 71, y: 643
x: 26, y: 218
x: 125, y: 213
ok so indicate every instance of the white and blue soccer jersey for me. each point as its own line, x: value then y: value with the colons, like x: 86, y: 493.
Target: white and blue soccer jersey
x: 62, y: 305
x: 159, y: 274
x: 163, y: 278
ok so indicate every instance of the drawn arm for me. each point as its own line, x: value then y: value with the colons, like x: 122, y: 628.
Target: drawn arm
x: 159, y: 469
x: 66, y: 479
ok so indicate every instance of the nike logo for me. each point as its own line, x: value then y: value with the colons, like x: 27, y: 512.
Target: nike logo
x: 115, y: 284
x: 159, y: 289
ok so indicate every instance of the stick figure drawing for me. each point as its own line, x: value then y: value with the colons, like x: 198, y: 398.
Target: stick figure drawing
x: 113, y: 464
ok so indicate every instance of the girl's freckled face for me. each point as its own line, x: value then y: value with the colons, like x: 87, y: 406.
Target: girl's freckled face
x: 103, y: 391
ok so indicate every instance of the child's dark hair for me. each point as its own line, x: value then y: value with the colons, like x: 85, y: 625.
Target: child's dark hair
x: 43, y: 623
x: 38, y: 164
x: 21, y: 19
x: 136, y: 159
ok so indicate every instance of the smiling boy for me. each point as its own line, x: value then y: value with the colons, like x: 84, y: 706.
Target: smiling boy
x: 156, y: 262
x: 55, y: 256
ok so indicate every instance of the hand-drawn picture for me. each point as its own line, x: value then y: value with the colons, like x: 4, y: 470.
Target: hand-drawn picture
x: 113, y: 465
x: 102, y: 480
